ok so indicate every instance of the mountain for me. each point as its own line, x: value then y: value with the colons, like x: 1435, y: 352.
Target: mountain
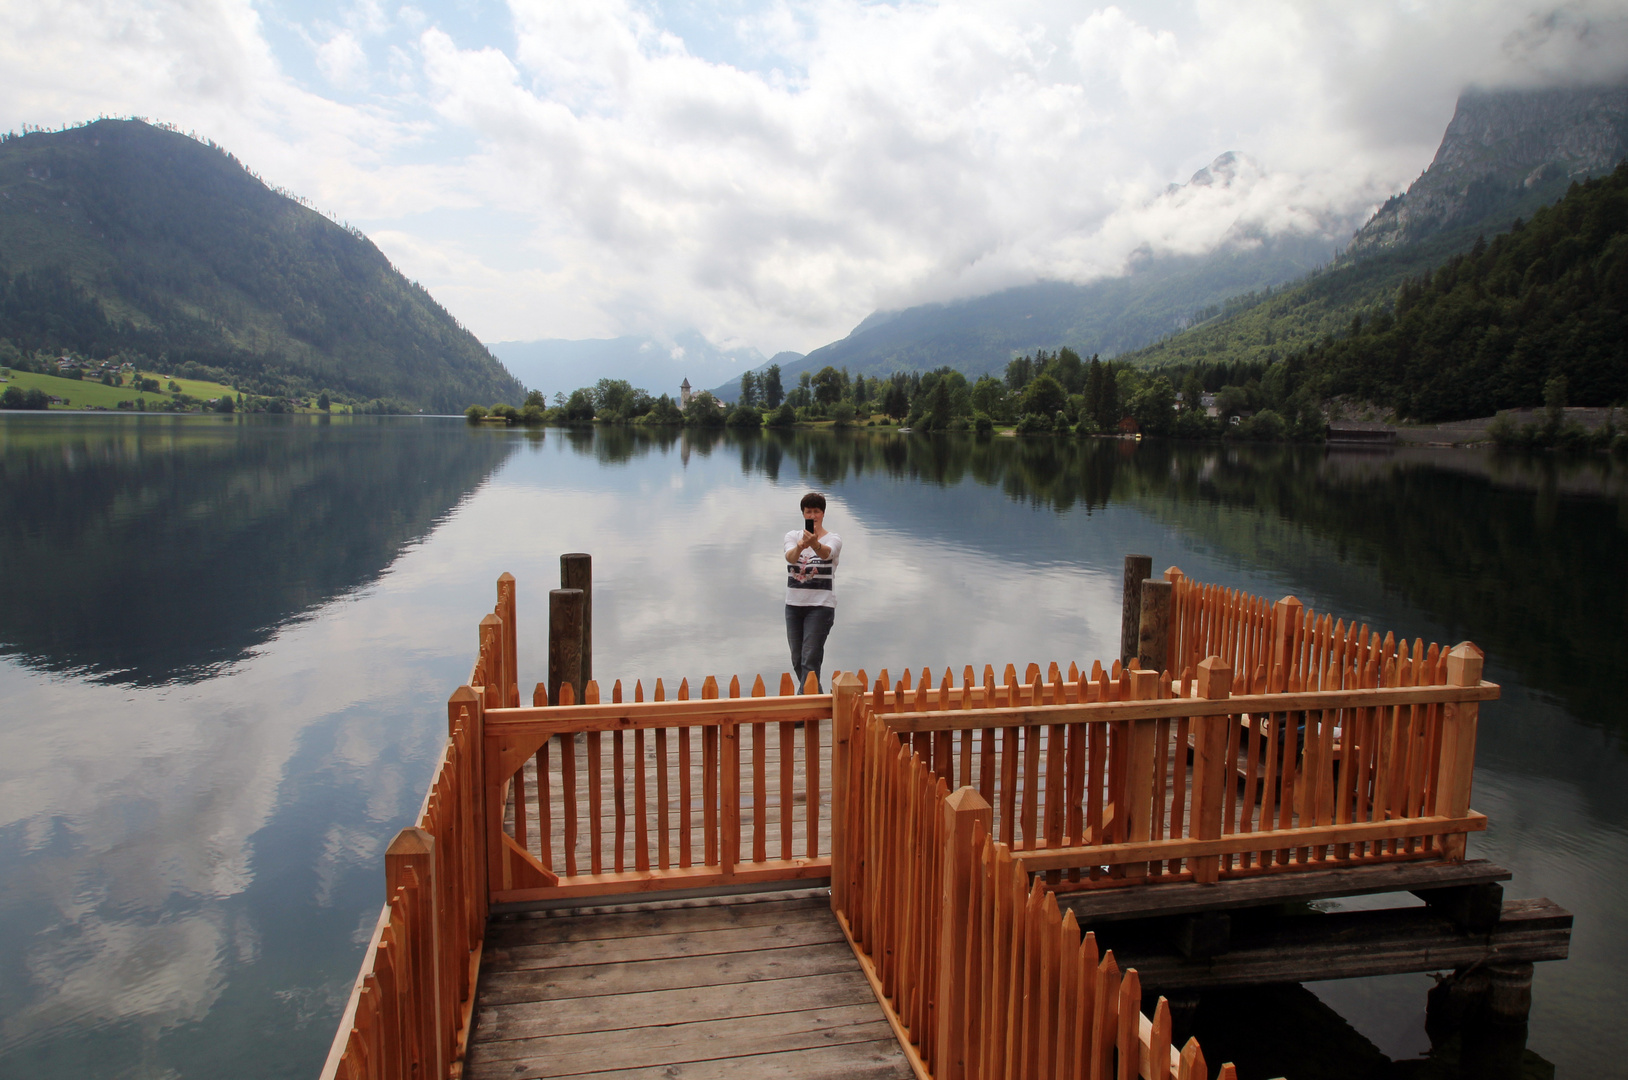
x: 1498, y: 147
x: 1504, y: 157
x: 1158, y: 295
x: 122, y: 237
x: 654, y: 364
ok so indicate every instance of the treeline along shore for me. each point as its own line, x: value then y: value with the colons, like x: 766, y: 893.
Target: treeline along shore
x: 1535, y: 316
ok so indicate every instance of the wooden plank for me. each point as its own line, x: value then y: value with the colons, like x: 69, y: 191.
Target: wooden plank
x: 663, y: 825
x: 1188, y: 897
x: 760, y: 792
x: 788, y: 783
x: 1359, y: 944
x: 1099, y: 712
x: 673, y: 917
x: 607, y: 980
x: 626, y: 715
x: 583, y: 886
x: 700, y: 1040
x: 596, y: 809
x: 1108, y: 854
x: 729, y: 939
x: 879, y: 1059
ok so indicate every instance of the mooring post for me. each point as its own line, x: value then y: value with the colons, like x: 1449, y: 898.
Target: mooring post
x: 577, y: 572
x: 1153, y: 635
x: 565, y: 653
x: 1138, y: 568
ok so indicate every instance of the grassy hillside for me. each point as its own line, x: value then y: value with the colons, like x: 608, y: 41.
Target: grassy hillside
x: 122, y: 238
x: 90, y: 394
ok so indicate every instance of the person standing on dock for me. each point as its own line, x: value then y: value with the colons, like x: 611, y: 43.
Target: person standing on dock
x: 811, y: 598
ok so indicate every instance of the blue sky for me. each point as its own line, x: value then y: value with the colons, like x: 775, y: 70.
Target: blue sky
x: 771, y: 172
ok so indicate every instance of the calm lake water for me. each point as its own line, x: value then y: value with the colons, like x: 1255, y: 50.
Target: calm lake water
x: 226, y: 644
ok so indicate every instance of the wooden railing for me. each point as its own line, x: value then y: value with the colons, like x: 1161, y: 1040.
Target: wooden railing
x: 1328, y: 746
x: 979, y: 973
x: 636, y: 795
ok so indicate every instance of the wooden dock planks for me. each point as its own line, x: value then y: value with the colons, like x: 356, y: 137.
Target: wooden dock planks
x: 747, y: 986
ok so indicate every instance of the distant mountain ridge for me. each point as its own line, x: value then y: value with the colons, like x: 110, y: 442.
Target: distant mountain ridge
x: 1157, y: 296
x: 119, y: 236
x: 560, y: 365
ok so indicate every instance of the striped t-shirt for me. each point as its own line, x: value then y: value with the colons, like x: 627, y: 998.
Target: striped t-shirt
x: 811, y: 581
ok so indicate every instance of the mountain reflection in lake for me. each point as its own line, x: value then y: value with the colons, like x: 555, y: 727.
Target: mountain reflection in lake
x: 227, y: 644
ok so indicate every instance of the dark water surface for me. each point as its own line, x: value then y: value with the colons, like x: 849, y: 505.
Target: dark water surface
x: 226, y: 644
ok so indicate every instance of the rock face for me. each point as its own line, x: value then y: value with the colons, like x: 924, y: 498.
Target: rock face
x: 1499, y: 146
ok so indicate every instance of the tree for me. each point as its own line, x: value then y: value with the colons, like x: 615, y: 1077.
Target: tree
x: 829, y: 386
x: 613, y: 399
x: 1019, y: 372
x: 579, y: 407
x: 769, y: 386
x: 1044, y: 396
x: 749, y: 389
x: 862, y: 390
x: 1154, y: 406
x: 896, y: 398
x: 703, y: 411
x: 744, y: 416
x: 989, y: 396
x: 325, y: 403
x: 664, y: 410
x: 475, y: 413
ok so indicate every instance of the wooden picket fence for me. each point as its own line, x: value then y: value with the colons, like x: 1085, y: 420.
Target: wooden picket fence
x: 1313, y: 743
x: 980, y: 974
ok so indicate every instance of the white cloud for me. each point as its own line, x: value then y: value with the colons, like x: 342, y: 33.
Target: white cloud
x: 583, y: 170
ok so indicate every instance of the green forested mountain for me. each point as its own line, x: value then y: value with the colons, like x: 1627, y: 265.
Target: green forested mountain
x: 1488, y: 329
x: 123, y: 238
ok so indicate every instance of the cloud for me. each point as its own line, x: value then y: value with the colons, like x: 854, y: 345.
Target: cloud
x: 583, y: 168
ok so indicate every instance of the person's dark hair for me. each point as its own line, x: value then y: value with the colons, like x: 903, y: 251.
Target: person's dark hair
x: 813, y: 500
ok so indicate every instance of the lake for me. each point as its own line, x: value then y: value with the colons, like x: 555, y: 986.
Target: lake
x: 226, y: 646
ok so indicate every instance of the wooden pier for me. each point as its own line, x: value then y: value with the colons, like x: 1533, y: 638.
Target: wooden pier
x: 956, y: 875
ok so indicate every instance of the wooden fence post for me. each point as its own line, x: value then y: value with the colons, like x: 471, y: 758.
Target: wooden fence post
x: 1285, y: 617
x: 1211, y: 771
x: 1138, y: 568
x: 1139, y: 766
x: 511, y: 642
x: 565, y: 665
x: 491, y: 647
x: 1458, y: 724
x: 1153, y: 635
x: 845, y: 689
x: 963, y: 809
x: 465, y: 704
x: 410, y: 860
x: 577, y: 572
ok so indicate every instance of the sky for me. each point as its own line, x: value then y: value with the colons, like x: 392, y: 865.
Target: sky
x: 771, y: 172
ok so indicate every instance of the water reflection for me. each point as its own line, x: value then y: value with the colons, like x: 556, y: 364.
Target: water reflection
x: 191, y: 855
x: 148, y: 550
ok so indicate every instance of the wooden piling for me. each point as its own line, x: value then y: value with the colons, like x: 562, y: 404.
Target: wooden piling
x: 566, y: 657
x: 1138, y: 568
x: 577, y: 572
x: 1153, y: 633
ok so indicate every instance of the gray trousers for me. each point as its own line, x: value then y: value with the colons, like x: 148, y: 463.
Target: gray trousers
x: 806, y: 630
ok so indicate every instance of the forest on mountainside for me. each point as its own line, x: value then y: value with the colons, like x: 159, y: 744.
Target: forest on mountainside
x: 121, y: 238
x: 1488, y: 329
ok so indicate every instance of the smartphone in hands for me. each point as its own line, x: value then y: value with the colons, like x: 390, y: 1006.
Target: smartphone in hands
x: 808, y: 525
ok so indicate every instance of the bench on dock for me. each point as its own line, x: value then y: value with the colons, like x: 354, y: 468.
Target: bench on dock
x: 1009, y: 863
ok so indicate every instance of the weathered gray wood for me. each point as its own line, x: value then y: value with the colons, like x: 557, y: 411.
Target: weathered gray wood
x: 732, y: 987
x: 727, y: 940
x: 876, y: 1060
x: 577, y: 572
x: 540, y: 928
x: 701, y: 1040
x: 1185, y: 897
x: 1351, y: 945
x: 500, y: 1023
x: 565, y: 643
x: 500, y: 986
x: 1138, y: 568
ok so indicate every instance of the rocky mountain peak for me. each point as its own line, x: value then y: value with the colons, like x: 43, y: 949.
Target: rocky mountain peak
x: 1500, y: 144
